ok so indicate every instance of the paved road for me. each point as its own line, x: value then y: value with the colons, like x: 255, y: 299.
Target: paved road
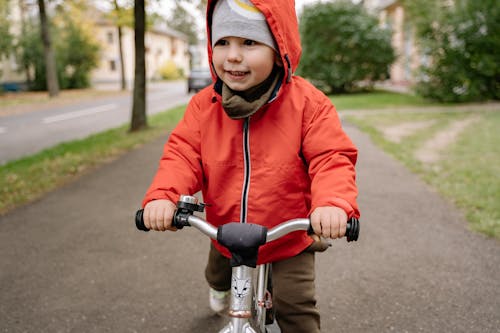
x: 72, y: 262
x: 30, y: 132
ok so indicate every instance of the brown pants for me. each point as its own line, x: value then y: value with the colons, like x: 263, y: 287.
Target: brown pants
x: 293, y: 289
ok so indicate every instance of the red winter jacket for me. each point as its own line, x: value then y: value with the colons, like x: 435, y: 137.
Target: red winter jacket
x: 281, y: 163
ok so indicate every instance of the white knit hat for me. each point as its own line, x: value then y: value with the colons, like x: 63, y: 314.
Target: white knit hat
x: 240, y: 18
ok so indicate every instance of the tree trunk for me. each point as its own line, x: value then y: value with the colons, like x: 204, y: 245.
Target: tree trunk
x: 50, y: 62
x: 139, y: 103
x: 122, y: 60
x: 120, y: 47
x: 22, y: 16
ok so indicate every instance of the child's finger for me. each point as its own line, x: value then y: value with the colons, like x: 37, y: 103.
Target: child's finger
x: 159, y: 220
x: 343, y: 226
x: 145, y: 218
x: 315, y: 223
x: 326, y: 226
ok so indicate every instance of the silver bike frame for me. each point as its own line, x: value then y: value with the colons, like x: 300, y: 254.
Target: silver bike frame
x: 246, y: 310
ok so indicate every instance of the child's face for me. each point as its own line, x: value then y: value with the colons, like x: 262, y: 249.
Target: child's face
x: 242, y: 63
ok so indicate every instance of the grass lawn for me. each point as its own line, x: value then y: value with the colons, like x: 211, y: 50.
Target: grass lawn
x: 470, y: 174
x: 467, y: 171
x: 377, y: 100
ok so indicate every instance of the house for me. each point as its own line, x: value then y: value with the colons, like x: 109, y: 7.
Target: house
x: 163, y: 45
x: 392, y: 15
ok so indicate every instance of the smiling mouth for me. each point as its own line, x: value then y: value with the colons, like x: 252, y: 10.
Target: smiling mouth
x: 237, y: 73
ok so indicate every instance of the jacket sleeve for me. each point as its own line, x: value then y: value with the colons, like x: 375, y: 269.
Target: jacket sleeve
x: 179, y: 171
x: 331, y: 157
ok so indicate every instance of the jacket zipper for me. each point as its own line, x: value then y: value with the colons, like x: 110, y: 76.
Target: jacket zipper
x: 246, y: 175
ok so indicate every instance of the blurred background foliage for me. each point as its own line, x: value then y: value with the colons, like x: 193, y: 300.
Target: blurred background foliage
x: 343, y: 47
x: 463, y: 44
x: 75, y: 48
x: 169, y: 71
x: 6, y: 37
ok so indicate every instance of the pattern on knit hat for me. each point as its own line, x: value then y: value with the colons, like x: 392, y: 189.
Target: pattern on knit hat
x: 240, y: 18
x: 246, y: 8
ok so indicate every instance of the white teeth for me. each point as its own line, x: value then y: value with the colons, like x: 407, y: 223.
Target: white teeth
x: 236, y: 73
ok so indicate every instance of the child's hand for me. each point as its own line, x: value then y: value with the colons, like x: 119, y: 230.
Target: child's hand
x: 329, y: 222
x: 158, y: 215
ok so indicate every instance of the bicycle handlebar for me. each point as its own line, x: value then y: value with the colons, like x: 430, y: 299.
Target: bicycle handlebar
x: 179, y: 221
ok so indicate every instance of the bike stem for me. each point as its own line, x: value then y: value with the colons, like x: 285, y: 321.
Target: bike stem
x: 241, y: 293
x: 240, y: 305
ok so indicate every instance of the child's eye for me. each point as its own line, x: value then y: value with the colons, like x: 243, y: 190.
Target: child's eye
x: 221, y: 42
x: 249, y: 42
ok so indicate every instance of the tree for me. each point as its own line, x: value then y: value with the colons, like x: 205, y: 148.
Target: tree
x: 119, y: 15
x: 424, y: 14
x: 139, y: 120
x: 74, y: 32
x: 343, y: 46
x: 463, y: 44
x: 48, y: 53
x: 181, y: 20
x: 71, y: 30
x: 6, y: 40
x: 18, y: 48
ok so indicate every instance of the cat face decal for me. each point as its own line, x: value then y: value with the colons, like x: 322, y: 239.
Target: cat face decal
x: 240, y: 287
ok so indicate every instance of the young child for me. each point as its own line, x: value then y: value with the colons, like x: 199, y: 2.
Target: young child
x: 263, y: 146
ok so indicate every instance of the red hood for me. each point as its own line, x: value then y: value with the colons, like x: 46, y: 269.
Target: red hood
x: 282, y: 20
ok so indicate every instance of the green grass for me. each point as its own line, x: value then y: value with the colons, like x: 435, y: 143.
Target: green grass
x: 404, y: 150
x: 29, y: 178
x: 470, y: 174
x: 467, y: 172
x: 377, y: 100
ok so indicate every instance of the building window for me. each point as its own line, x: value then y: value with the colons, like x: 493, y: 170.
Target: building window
x: 110, y: 37
x: 112, y: 65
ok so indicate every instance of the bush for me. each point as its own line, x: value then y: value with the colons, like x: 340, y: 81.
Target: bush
x: 343, y: 46
x: 30, y: 55
x: 76, y: 67
x: 463, y: 49
x: 75, y: 49
x: 169, y: 71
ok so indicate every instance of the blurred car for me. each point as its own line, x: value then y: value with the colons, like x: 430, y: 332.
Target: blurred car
x: 199, y: 78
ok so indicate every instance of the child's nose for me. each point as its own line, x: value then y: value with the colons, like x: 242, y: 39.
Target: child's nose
x: 234, y: 53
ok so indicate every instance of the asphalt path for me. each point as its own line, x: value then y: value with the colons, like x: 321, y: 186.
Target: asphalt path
x: 28, y: 133
x: 73, y: 261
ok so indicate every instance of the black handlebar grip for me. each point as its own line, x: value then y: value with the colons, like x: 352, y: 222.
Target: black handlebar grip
x: 139, y: 220
x: 352, y: 230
